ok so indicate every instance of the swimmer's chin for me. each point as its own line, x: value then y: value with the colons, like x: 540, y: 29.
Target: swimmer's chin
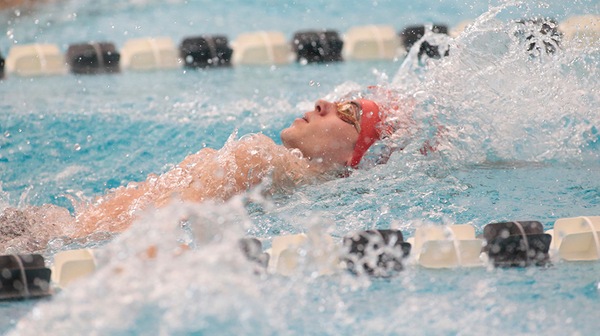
x: 285, y: 138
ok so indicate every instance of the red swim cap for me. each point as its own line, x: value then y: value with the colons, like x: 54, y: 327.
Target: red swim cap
x: 369, y: 130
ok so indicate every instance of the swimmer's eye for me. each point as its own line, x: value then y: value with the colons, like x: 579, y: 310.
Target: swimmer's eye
x: 350, y: 112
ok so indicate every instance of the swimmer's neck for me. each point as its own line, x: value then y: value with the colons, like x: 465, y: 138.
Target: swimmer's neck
x: 325, y: 167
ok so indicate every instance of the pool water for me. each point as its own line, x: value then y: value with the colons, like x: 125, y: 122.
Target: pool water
x: 521, y: 142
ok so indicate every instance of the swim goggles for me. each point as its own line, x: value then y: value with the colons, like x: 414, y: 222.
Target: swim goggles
x: 350, y: 112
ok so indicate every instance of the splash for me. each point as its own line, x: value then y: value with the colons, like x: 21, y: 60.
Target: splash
x: 173, y: 280
x: 505, y: 94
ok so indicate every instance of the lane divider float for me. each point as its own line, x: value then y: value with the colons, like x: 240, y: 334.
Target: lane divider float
x: 1, y: 66
x: 205, y: 51
x: 314, y: 46
x: 517, y: 244
x: 261, y: 48
x: 23, y: 276
x: 93, y: 58
x: 379, y: 253
x: 412, y: 34
x: 71, y: 265
x: 372, y: 42
x: 150, y: 53
x: 447, y: 246
x: 35, y: 60
x: 582, y: 30
x: 577, y: 238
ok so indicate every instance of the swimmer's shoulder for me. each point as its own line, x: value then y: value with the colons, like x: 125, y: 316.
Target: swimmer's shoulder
x: 256, y: 139
x: 259, y: 144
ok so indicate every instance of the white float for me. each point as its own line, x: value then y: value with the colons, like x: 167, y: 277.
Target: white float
x: 581, y: 30
x: 459, y: 28
x: 35, y: 60
x: 577, y: 238
x: 371, y: 43
x: 447, y: 246
x: 261, y: 48
x: 287, y: 252
x: 71, y: 265
x: 150, y: 54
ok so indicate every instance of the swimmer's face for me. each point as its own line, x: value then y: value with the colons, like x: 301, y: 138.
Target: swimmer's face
x: 327, y: 134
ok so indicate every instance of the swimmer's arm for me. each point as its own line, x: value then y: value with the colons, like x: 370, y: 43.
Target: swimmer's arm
x: 110, y: 212
x: 115, y: 210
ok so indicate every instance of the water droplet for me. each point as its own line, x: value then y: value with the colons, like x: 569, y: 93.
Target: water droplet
x: 77, y: 147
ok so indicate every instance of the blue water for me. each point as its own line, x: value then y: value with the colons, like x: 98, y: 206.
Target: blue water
x: 522, y: 143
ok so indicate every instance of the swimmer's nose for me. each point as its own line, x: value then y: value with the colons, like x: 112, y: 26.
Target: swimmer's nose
x: 324, y: 107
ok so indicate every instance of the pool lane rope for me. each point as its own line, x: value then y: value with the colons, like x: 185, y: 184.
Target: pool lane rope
x: 378, y: 253
x: 576, y: 28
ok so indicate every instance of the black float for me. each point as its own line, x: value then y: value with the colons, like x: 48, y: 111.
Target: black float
x: 539, y: 35
x: 253, y: 250
x: 23, y: 277
x: 410, y: 35
x: 517, y: 244
x: 206, y: 51
x: 317, y: 46
x: 1, y: 67
x: 93, y: 58
x: 375, y: 252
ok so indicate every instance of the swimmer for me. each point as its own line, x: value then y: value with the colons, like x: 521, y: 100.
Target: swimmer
x: 325, y: 143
